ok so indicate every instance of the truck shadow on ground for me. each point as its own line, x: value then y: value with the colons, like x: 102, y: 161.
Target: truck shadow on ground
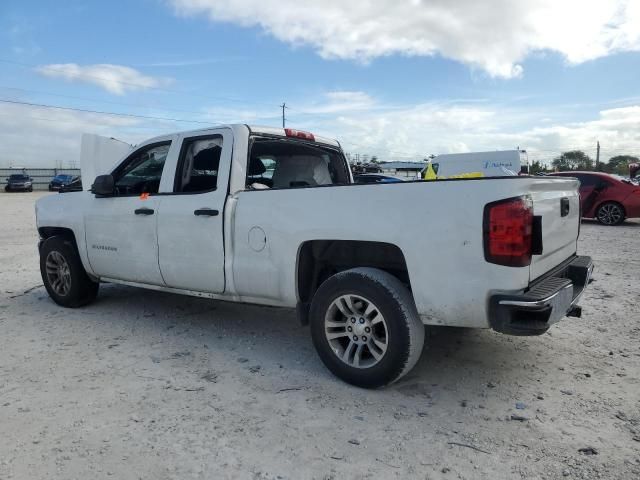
x: 454, y: 359
x: 456, y: 363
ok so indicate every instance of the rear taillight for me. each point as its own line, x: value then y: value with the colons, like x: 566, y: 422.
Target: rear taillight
x: 290, y: 132
x: 508, y: 227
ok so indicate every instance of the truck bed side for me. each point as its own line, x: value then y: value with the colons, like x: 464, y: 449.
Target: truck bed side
x: 438, y: 226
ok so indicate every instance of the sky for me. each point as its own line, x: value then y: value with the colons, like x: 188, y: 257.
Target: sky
x: 398, y: 79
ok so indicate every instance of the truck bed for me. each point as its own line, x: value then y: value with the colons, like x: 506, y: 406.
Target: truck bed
x: 437, y: 225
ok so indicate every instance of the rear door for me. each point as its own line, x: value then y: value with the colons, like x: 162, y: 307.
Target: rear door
x: 557, y: 201
x: 191, y: 215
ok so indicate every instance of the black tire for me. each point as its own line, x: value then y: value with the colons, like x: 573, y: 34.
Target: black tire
x: 404, y: 331
x: 6, y: 189
x: 610, y: 213
x: 30, y: 189
x: 80, y: 290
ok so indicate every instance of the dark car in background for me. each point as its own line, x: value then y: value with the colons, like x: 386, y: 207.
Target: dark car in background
x: 61, y: 181
x: 19, y: 182
x: 74, y: 186
x: 605, y: 197
x: 374, y: 178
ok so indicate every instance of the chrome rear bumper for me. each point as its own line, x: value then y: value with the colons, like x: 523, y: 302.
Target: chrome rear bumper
x: 545, y: 302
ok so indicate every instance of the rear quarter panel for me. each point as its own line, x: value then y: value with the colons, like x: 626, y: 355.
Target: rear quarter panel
x: 437, y: 225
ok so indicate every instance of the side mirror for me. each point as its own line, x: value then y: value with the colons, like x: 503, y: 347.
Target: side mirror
x: 103, y: 185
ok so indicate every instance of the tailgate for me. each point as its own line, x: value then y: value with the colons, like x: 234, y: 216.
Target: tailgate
x: 557, y: 201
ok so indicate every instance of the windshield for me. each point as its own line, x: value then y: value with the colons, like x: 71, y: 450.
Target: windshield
x: 63, y: 178
x: 18, y: 177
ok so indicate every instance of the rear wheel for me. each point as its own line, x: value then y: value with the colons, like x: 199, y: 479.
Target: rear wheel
x: 63, y: 275
x: 365, y: 327
x: 610, y: 213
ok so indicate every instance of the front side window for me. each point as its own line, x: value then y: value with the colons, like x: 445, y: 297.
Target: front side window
x: 290, y: 164
x: 199, y: 162
x: 142, y: 171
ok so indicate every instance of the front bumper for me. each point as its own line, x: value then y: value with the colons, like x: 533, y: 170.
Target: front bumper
x: 545, y: 302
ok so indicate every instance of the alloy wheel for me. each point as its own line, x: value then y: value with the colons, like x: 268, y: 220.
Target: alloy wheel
x: 58, y: 273
x: 610, y: 214
x: 356, y: 331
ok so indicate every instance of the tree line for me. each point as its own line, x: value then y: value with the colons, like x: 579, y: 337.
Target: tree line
x: 579, y: 160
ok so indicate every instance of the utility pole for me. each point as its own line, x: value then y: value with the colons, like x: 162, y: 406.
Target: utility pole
x: 598, y: 156
x: 284, y: 105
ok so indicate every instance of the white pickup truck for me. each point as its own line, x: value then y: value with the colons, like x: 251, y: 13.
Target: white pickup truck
x: 271, y: 216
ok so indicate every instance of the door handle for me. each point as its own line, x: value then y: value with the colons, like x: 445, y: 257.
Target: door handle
x: 207, y: 212
x: 565, y: 206
x: 144, y: 211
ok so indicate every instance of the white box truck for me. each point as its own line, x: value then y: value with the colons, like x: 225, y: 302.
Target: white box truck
x: 480, y: 164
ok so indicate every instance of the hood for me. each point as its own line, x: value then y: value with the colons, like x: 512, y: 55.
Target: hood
x: 98, y: 156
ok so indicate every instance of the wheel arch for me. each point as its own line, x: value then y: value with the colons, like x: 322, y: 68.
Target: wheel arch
x: 318, y: 260
x: 48, y: 232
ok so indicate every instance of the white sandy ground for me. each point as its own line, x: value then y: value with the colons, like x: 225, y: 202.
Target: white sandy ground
x: 149, y: 385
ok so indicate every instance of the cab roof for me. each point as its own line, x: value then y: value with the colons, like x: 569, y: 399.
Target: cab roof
x: 263, y: 130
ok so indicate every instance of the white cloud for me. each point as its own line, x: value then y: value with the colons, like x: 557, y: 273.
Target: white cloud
x: 116, y: 79
x: 340, y: 101
x: 413, y: 132
x: 35, y: 136
x: 494, y: 35
x: 617, y: 130
x: 332, y: 103
x: 42, y: 137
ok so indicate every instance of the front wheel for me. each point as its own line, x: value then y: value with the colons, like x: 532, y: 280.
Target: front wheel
x: 610, y: 213
x: 63, y: 275
x: 365, y: 327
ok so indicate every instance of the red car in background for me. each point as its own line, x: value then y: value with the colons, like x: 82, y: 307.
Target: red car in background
x: 605, y: 197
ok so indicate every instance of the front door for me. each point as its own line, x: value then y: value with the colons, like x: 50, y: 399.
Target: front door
x: 120, y: 229
x: 191, y: 218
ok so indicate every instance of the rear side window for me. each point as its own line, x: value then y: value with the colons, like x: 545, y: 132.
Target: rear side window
x: 199, y: 163
x: 588, y: 180
x: 275, y: 163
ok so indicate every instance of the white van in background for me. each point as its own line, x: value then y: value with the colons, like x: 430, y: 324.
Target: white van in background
x: 480, y: 164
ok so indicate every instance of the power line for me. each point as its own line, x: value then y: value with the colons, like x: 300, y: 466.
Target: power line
x: 142, y: 127
x: 101, y: 112
x: 96, y: 100
x: 150, y: 117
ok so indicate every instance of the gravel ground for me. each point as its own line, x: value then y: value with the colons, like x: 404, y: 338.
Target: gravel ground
x: 143, y: 384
